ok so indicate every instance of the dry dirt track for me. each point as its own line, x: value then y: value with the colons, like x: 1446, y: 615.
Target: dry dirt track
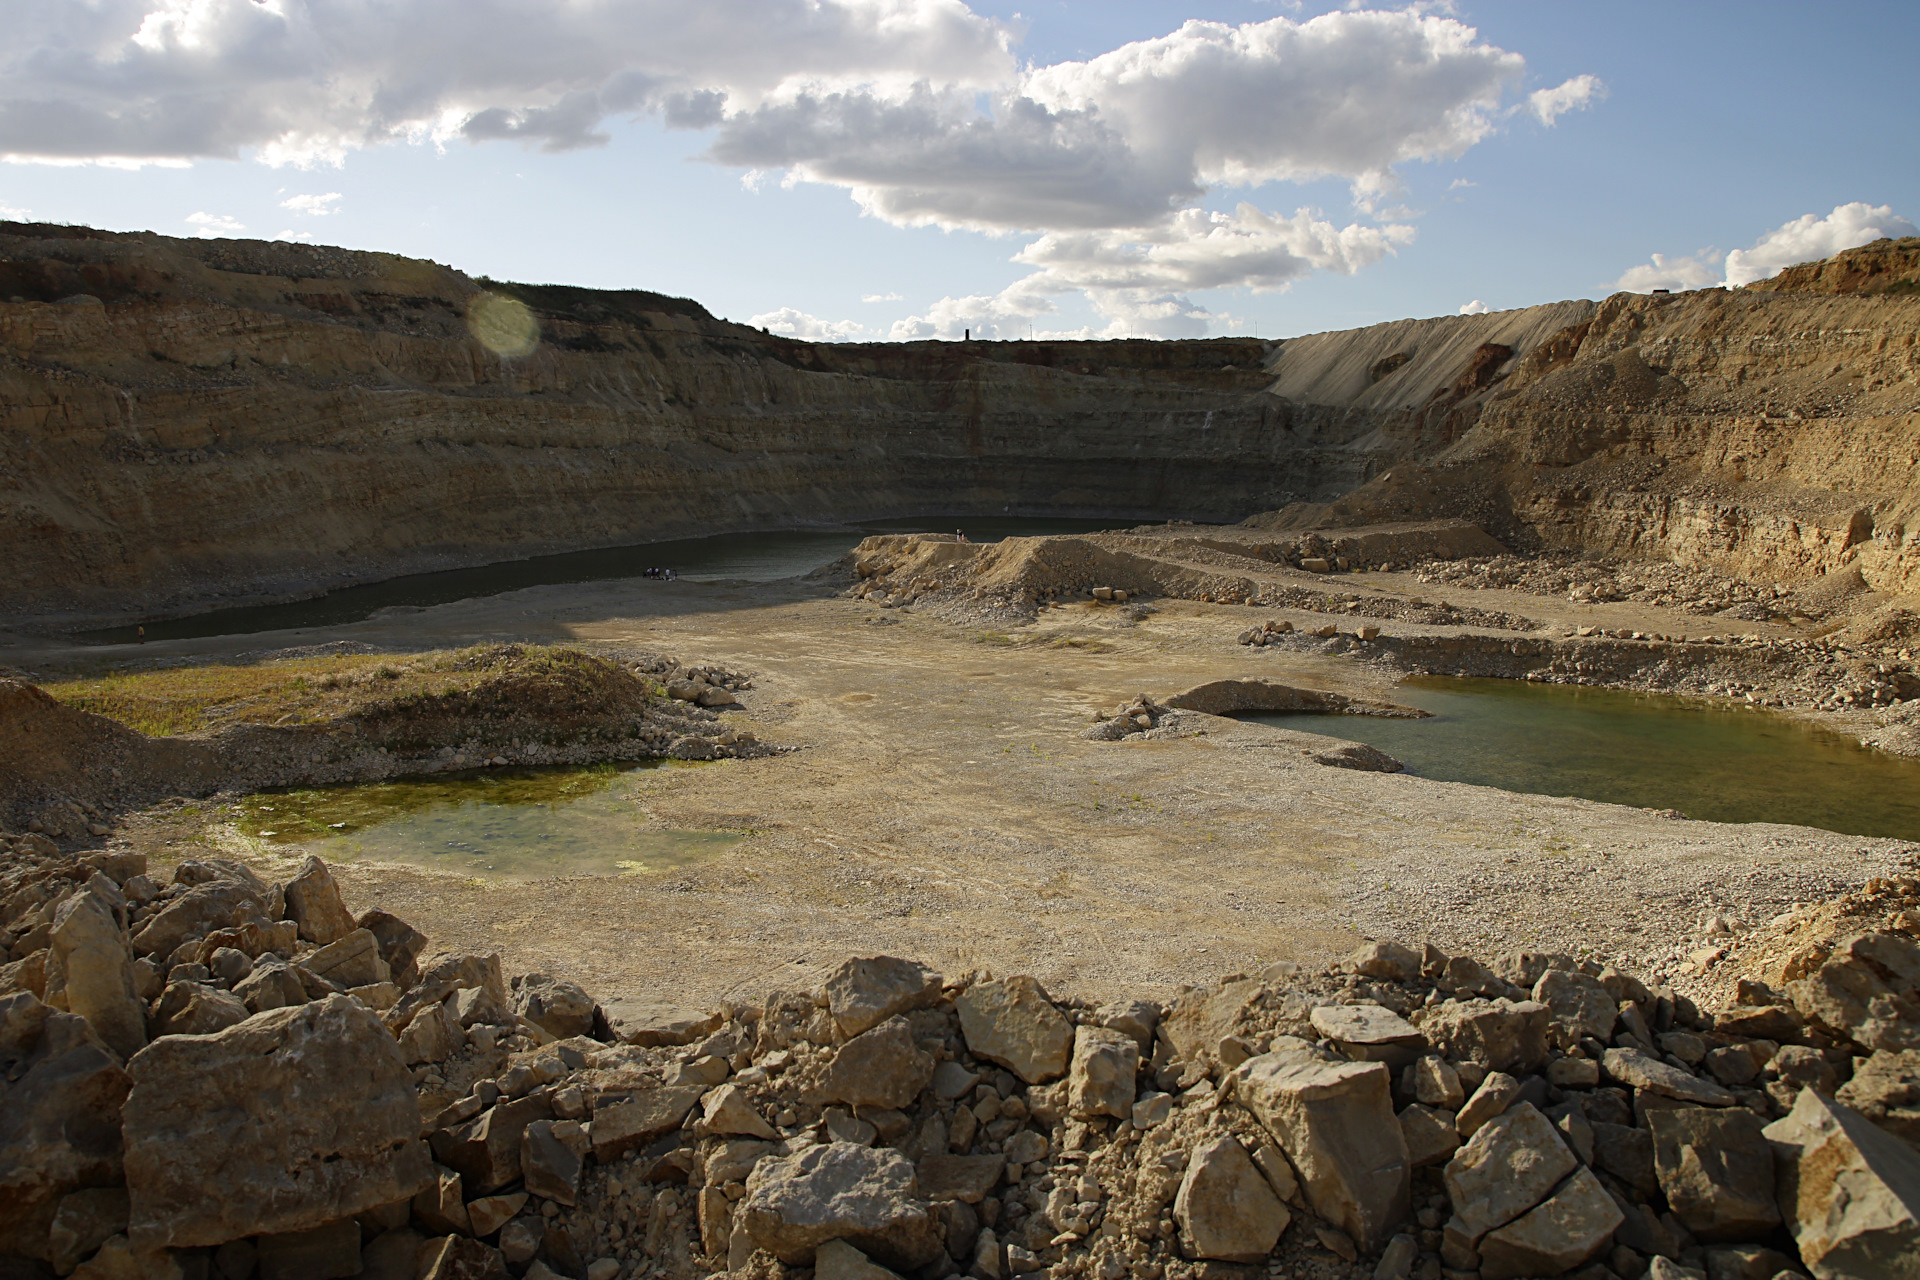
x: 943, y: 807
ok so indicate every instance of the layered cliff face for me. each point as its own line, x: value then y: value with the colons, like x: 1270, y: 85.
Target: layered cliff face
x: 185, y: 424
x: 1770, y: 433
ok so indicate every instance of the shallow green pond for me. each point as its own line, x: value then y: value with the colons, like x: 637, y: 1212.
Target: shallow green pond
x: 502, y: 824
x: 1713, y: 762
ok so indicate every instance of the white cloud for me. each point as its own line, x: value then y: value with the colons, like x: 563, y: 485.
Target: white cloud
x: 880, y: 297
x: 1809, y: 238
x: 918, y: 109
x: 1458, y: 183
x: 1577, y: 94
x: 305, y: 237
x: 1805, y: 239
x: 209, y: 225
x: 798, y: 324
x: 13, y: 213
x: 312, y: 206
x: 1474, y: 308
x: 307, y: 81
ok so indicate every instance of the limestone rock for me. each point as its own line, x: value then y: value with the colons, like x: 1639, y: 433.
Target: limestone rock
x: 1336, y: 1124
x: 1225, y: 1208
x: 1868, y: 991
x: 83, y: 1222
x: 120, y: 1260
x: 1430, y: 1135
x: 1013, y: 1023
x: 636, y: 1118
x: 561, y: 1008
x: 328, y: 1252
x: 548, y: 1165
x: 1632, y: 1067
x: 1434, y: 1083
x: 1886, y: 1090
x: 441, y: 1206
x: 446, y: 974
x: 1627, y: 1154
x: 1100, y: 1081
x: 351, y: 960
x: 1496, y: 1093
x: 838, y: 1260
x: 1369, y: 1033
x: 878, y: 1068
x: 218, y: 904
x: 728, y: 1110
x: 1581, y: 1006
x: 485, y: 1151
x: 60, y: 1096
x: 293, y: 1118
x: 1389, y: 960
x: 1501, y: 1035
x: 489, y: 1213
x: 313, y: 904
x: 400, y: 944
x: 967, y: 1179
x: 837, y: 1191
x: 431, y: 1035
x: 1566, y: 1230
x: 1136, y: 1018
x: 271, y: 985
x: 95, y: 975
x: 1849, y: 1192
x: 1510, y: 1165
x: 196, y: 1009
x: 1716, y: 1170
x: 458, y: 1258
x: 863, y: 993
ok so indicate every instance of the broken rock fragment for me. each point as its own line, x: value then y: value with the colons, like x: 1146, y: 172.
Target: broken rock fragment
x: 1225, y: 1208
x: 1335, y: 1122
x: 1013, y: 1022
x: 880, y: 1068
x: 288, y: 1120
x: 1100, y: 1081
x: 1849, y: 1191
x: 1569, y: 1228
x: 1512, y: 1163
x: 837, y: 1191
x: 863, y: 993
x: 1716, y: 1170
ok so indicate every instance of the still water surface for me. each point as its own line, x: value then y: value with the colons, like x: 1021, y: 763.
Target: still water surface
x: 503, y: 824
x: 1708, y: 761
x: 749, y: 557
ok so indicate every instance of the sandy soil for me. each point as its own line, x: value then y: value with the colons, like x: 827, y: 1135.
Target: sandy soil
x: 943, y: 807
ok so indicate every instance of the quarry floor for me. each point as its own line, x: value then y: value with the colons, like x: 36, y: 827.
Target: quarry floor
x: 942, y: 806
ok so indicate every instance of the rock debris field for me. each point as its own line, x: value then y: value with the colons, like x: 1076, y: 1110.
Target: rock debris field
x: 221, y: 1076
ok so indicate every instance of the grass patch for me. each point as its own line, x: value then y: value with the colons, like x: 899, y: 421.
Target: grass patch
x: 204, y: 699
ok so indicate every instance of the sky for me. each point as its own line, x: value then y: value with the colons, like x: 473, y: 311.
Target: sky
x: 897, y: 169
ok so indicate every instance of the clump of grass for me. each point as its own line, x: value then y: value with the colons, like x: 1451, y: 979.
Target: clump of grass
x: 205, y: 699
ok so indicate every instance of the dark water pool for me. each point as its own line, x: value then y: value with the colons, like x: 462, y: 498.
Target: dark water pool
x: 503, y: 824
x: 752, y: 557
x: 1712, y: 762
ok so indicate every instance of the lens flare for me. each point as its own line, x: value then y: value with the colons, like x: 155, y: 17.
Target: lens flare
x: 503, y: 325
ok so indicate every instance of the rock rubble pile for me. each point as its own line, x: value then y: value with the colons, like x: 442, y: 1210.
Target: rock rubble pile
x: 225, y: 1077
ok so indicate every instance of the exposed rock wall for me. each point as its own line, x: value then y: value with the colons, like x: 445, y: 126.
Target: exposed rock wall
x: 1768, y: 433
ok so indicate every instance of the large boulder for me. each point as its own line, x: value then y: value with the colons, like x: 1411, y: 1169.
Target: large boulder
x: 1580, y: 1005
x: 1868, y: 991
x: 1512, y: 1163
x: 881, y: 1068
x: 1369, y: 1033
x: 1560, y: 1233
x: 400, y: 944
x: 1849, y: 1192
x: 1225, y: 1208
x: 863, y: 993
x: 1335, y: 1121
x: 292, y: 1119
x: 1716, y: 1170
x: 485, y: 1151
x: 351, y: 960
x: 633, y: 1118
x: 1501, y: 1035
x: 445, y: 974
x: 838, y: 1191
x: 563, y: 1009
x: 1012, y: 1022
x: 60, y: 1095
x: 1642, y: 1071
x: 314, y: 904
x: 90, y: 972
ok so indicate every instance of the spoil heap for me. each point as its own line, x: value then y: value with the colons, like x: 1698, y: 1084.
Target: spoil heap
x: 226, y: 1077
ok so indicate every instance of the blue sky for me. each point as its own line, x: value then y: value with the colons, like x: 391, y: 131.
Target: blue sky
x: 1704, y: 129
